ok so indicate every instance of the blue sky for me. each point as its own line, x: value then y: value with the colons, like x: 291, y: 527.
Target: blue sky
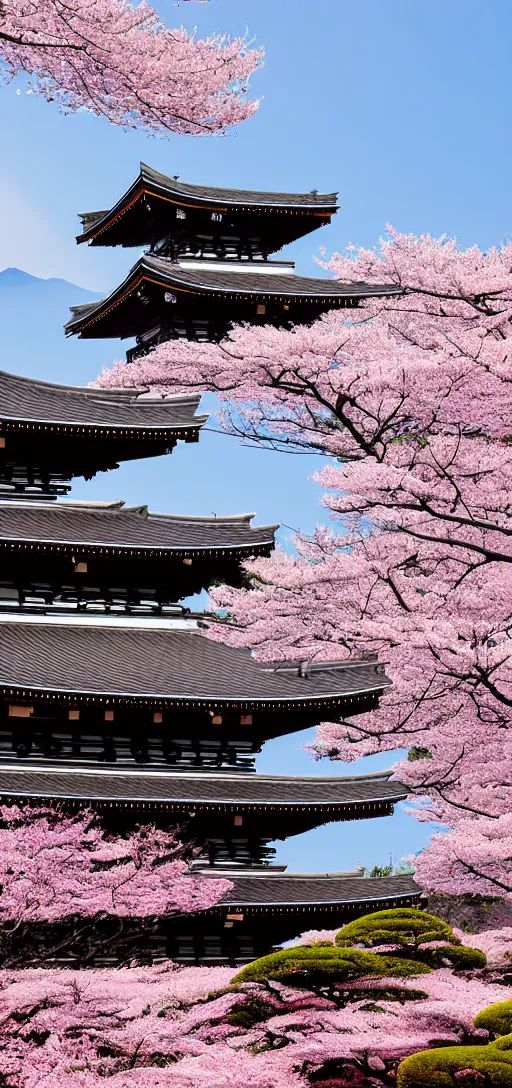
x: 402, y: 107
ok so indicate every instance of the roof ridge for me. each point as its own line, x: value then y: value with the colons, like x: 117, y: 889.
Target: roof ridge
x: 204, y: 517
x: 276, y: 873
x: 84, y: 504
x: 99, y: 394
x: 38, y: 504
x: 174, y: 268
x: 183, y: 186
x: 98, y: 506
x: 206, y: 775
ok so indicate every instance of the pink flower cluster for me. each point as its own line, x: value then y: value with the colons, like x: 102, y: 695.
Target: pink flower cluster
x: 119, y: 61
x: 54, y: 866
x: 163, y: 1027
x: 408, y: 397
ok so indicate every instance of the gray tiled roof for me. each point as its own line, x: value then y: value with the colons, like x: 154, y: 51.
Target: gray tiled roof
x: 254, y: 284
x: 161, y: 183
x: 303, y: 889
x: 202, y: 789
x: 257, y: 283
x: 114, y: 525
x: 28, y: 399
x: 166, y: 664
x: 237, y: 196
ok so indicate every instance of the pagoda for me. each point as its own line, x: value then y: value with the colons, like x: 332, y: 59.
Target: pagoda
x: 206, y: 264
x: 111, y: 696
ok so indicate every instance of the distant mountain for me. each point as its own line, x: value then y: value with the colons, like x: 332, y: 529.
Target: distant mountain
x: 32, y: 314
x: 15, y: 277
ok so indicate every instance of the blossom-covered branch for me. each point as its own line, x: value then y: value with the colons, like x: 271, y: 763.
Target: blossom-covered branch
x: 408, y: 398
x: 475, y: 860
x: 119, y: 61
x: 56, y: 867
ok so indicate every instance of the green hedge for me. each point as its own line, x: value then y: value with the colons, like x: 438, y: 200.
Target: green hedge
x: 496, y: 1018
x: 405, y: 926
x: 437, y: 1068
x: 460, y: 958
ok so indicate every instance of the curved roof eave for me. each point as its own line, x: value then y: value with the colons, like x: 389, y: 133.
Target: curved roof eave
x: 167, y: 275
x: 161, y: 184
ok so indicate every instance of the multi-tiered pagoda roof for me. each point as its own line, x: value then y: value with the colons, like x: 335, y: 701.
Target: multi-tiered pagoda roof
x: 299, y: 803
x: 234, y: 815
x: 168, y: 669
x: 207, y: 263
x: 159, y: 724
x: 259, y: 909
x: 112, y: 695
x: 50, y: 434
x: 160, y: 300
x: 206, y: 221
x: 118, y: 558
x: 319, y: 899
x: 309, y: 801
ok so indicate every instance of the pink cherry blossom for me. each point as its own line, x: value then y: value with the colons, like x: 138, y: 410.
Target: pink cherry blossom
x: 496, y: 943
x: 316, y: 936
x: 172, y: 1027
x: 475, y: 857
x: 55, y: 866
x: 408, y: 398
x: 119, y: 61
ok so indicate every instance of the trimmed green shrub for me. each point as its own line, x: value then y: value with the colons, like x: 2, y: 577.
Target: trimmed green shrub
x: 497, y: 1019
x: 459, y: 957
x: 307, y: 965
x: 405, y: 926
x: 437, y: 1068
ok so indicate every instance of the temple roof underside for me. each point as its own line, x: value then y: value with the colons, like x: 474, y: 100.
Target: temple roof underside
x: 207, y: 221
x: 140, y: 666
x: 52, y: 433
x: 159, y: 300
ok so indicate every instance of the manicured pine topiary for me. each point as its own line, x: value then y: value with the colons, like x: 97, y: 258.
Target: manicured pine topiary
x: 445, y: 1066
x: 461, y: 958
x: 405, y: 926
x: 318, y: 966
x: 412, y: 930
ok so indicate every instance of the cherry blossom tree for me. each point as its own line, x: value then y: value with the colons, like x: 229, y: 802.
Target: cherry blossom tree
x: 63, y: 871
x: 118, y: 60
x: 408, y: 398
